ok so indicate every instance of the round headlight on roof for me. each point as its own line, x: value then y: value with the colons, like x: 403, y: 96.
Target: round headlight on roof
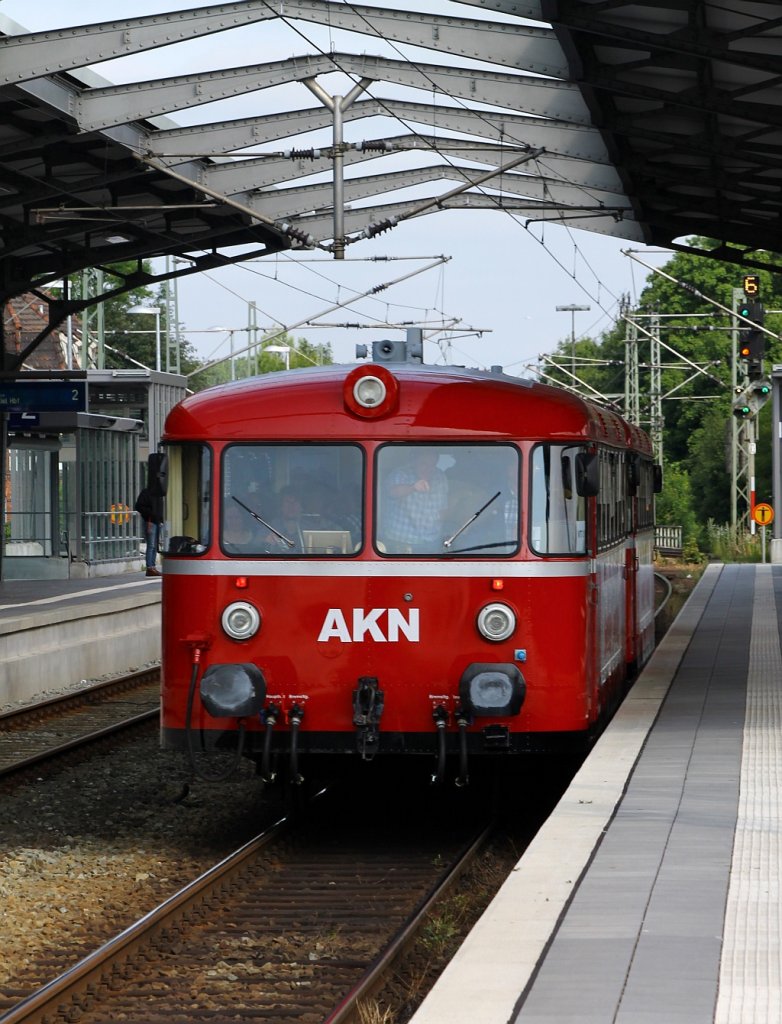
x: 496, y: 621
x: 369, y: 391
x: 241, y: 620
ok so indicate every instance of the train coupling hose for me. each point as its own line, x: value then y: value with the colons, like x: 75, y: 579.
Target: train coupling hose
x: 440, y: 716
x: 294, y: 718
x: 463, y: 719
x: 269, y: 717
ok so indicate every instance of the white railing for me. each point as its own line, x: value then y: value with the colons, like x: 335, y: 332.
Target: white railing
x: 668, y: 540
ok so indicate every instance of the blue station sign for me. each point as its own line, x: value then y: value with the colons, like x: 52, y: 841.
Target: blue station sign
x: 19, y: 396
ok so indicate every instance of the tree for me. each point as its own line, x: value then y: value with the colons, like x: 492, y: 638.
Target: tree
x: 117, y: 322
x: 674, y: 506
x: 697, y: 416
x: 302, y: 353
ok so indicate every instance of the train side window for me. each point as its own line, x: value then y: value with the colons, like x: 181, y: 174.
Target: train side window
x: 613, y: 512
x: 447, y: 500
x: 557, y: 512
x: 188, y: 499
x: 645, y: 496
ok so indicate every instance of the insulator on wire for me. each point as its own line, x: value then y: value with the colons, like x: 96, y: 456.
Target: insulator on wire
x: 378, y: 229
x: 296, y: 234
x: 302, y: 154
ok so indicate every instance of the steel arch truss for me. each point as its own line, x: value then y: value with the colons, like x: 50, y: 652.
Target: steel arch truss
x: 648, y: 121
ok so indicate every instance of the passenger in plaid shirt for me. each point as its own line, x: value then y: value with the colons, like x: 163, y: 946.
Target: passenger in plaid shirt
x: 419, y: 497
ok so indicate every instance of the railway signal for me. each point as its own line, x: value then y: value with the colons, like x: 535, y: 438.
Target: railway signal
x: 751, y: 285
x: 752, y: 341
x: 751, y: 399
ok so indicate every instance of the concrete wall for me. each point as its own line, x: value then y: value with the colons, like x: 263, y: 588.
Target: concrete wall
x: 51, y: 648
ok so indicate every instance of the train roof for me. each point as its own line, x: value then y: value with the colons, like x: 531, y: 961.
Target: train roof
x: 431, y: 401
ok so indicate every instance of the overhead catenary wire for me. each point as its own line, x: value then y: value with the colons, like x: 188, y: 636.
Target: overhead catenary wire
x: 359, y: 15
x: 339, y: 305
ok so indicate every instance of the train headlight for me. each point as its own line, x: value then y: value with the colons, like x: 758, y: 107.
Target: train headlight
x: 492, y: 691
x: 241, y: 620
x: 496, y: 622
x: 369, y: 392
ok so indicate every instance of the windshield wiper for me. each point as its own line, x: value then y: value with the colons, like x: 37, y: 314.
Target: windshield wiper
x: 286, y: 540
x: 483, y: 547
x: 447, y: 543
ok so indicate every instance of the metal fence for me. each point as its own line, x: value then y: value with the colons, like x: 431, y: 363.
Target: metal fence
x: 668, y: 540
x: 116, y: 534
x: 107, y: 536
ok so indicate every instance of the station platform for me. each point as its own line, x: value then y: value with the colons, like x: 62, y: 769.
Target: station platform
x: 54, y: 633
x: 652, y: 893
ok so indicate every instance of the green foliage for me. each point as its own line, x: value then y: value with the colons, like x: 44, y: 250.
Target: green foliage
x: 302, y: 354
x: 695, y: 379
x: 732, y: 544
x: 674, y: 506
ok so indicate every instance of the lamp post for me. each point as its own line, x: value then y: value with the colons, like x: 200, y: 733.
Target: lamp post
x: 573, y: 309
x: 284, y: 350
x: 155, y: 310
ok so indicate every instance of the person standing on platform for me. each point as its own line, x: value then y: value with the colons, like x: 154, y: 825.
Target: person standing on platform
x: 150, y: 507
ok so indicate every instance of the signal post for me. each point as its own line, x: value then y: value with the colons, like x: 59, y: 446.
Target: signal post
x: 751, y: 388
x: 775, y: 553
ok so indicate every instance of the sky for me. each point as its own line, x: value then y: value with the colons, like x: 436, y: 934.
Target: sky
x: 503, y: 278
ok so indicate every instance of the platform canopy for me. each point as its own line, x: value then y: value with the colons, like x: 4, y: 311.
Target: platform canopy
x: 650, y: 121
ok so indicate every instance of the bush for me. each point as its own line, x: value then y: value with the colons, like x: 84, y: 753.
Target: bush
x: 732, y: 543
x: 674, y: 507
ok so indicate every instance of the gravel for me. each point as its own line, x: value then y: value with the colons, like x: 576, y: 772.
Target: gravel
x: 87, y: 850
x: 74, y: 687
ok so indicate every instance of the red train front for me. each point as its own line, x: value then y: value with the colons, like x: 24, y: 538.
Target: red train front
x: 399, y: 559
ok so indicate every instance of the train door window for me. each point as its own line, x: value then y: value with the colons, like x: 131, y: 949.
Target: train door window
x: 188, y: 499
x: 447, y: 500
x: 295, y: 500
x: 557, y: 511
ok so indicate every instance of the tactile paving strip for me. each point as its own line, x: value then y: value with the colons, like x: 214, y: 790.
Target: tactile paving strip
x: 750, y: 983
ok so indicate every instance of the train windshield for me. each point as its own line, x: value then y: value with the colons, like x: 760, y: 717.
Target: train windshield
x: 447, y: 500
x: 294, y: 500
x: 557, y: 512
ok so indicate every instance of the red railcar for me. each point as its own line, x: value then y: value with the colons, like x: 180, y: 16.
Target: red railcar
x: 399, y: 559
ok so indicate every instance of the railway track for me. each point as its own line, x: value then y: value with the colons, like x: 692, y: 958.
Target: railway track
x: 32, y: 734
x: 298, y: 925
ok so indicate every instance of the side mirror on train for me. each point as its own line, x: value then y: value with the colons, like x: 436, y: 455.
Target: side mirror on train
x: 658, y: 479
x: 157, y: 473
x: 633, y: 473
x: 587, y: 475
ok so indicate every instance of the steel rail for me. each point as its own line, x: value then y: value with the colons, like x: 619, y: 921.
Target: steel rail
x: 96, y: 696
x: 78, y: 741
x: 43, y: 1005
x: 375, y: 975
x: 76, y: 698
